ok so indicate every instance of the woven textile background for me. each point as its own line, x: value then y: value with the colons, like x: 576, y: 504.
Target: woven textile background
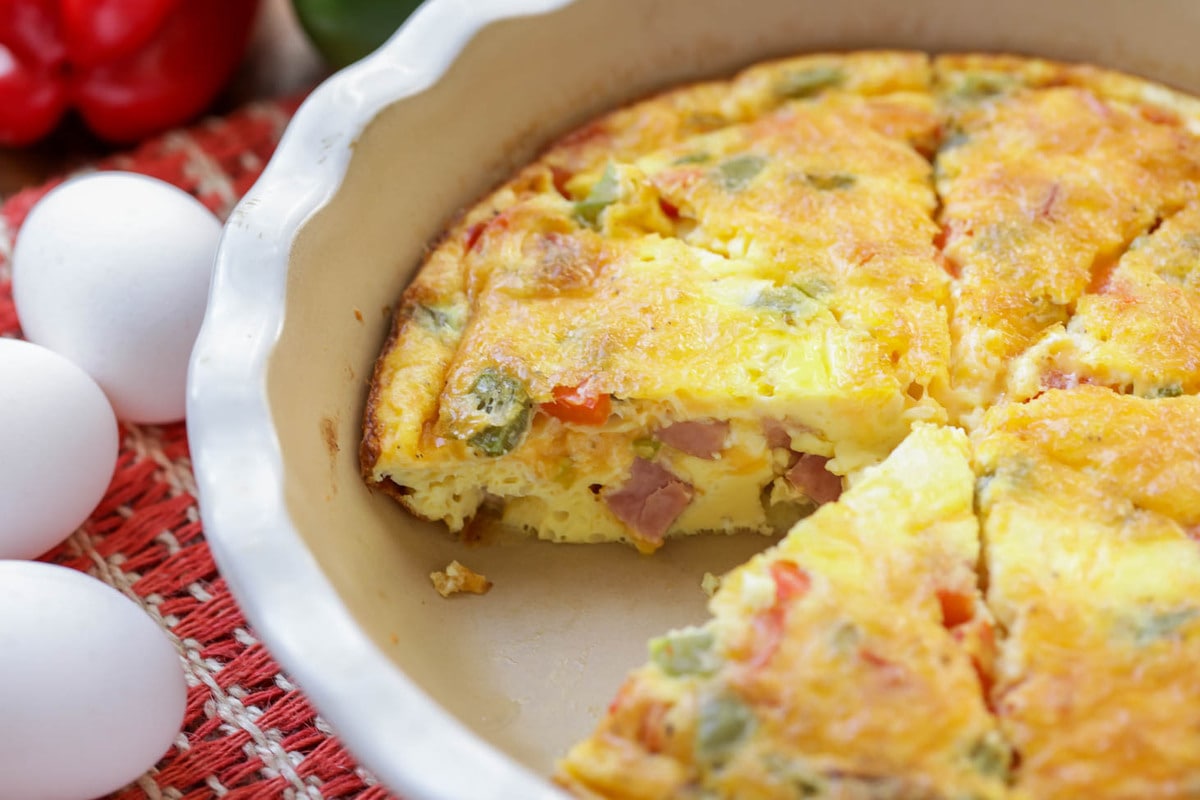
x: 249, y: 732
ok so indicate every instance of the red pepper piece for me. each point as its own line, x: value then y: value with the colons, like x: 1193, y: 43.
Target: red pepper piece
x: 576, y: 404
x: 652, y: 730
x: 957, y: 607
x: 560, y: 178
x: 131, y: 69
x: 791, y: 582
x: 472, y: 234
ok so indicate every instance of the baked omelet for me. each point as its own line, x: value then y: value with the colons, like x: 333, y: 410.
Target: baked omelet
x: 939, y: 317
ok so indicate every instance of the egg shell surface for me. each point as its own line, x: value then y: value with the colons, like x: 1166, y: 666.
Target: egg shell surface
x: 112, y: 271
x: 58, y: 449
x: 91, y: 692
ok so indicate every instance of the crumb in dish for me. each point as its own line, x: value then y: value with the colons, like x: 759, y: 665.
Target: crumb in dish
x: 458, y: 578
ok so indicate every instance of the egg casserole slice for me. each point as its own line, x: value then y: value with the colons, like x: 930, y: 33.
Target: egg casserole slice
x: 1090, y: 506
x: 844, y: 662
x: 1137, y: 332
x: 1047, y: 174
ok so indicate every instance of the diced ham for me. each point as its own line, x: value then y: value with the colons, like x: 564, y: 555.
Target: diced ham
x: 779, y: 433
x: 1057, y: 379
x: 810, y: 476
x: 650, y: 500
x: 700, y: 438
x: 776, y: 433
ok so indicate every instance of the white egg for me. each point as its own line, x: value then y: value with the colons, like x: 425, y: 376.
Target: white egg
x: 91, y: 691
x: 112, y: 271
x: 58, y: 449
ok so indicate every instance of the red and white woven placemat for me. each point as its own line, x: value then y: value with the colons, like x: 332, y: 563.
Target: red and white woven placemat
x: 249, y: 732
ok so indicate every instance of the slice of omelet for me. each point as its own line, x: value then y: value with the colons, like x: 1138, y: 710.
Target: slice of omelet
x: 848, y: 661
x: 1047, y: 175
x: 1090, y: 506
x: 1137, y: 331
x: 706, y: 336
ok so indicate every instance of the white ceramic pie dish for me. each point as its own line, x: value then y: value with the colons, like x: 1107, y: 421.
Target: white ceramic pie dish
x: 474, y: 697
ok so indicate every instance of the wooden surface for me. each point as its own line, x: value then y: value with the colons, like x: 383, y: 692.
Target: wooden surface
x: 280, y: 61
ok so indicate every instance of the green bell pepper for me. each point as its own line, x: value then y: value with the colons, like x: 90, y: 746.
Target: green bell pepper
x: 346, y: 30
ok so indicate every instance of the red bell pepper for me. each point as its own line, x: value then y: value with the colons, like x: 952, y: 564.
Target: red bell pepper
x: 574, y: 404
x: 131, y: 68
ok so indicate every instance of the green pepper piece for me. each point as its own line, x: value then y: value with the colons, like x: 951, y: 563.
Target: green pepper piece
x: 982, y: 85
x: 814, y: 287
x: 688, y: 651
x: 801, y: 83
x: 724, y: 721
x: 346, y: 30
x: 954, y: 138
x: 691, y: 158
x: 507, y: 405
x: 831, y: 181
x: 991, y: 756
x: 1168, y: 390
x: 646, y: 447
x: 847, y: 638
x: 1157, y: 625
x: 792, y: 302
x: 604, y: 193
x: 438, y: 319
x: 795, y: 773
x: 736, y: 173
